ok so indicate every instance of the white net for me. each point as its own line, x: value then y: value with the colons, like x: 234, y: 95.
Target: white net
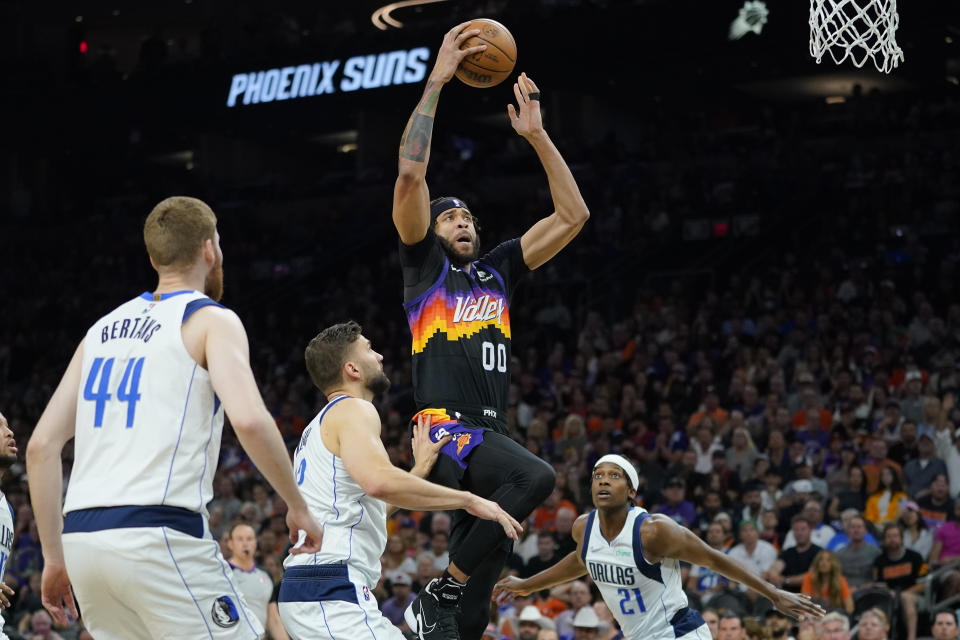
x: 856, y: 29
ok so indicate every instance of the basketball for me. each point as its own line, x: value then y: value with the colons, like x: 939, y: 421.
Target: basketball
x: 492, y: 66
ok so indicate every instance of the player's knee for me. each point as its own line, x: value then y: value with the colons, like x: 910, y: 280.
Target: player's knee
x: 542, y: 480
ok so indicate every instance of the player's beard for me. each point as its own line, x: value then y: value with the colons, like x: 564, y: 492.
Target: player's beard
x: 7, y: 461
x: 213, y: 284
x: 457, y: 258
x: 377, y: 382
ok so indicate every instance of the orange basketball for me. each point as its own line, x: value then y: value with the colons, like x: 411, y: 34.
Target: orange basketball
x: 492, y: 66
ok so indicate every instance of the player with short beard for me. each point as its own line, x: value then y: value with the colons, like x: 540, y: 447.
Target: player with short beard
x: 457, y: 306
x: 346, y: 477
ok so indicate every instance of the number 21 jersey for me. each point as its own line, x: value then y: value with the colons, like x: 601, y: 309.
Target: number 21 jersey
x: 647, y: 599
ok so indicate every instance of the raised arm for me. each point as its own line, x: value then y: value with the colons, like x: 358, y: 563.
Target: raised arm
x: 227, y: 356
x: 411, y: 198
x: 355, y: 425
x: 569, y: 568
x: 551, y: 234
x: 56, y: 426
x: 663, y: 538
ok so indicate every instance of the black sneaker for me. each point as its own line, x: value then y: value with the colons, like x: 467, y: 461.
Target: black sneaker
x: 433, y: 615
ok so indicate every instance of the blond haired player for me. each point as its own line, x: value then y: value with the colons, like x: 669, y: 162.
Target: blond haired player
x: 144, y: 398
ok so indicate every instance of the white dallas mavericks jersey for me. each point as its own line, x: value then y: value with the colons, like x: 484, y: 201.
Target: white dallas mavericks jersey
x: 354, y: 524
x: 148, y: 422
x: 646, y: 599
x: 6, y: 536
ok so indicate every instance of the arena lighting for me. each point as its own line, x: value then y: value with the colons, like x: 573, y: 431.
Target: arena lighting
x: 382, y: 19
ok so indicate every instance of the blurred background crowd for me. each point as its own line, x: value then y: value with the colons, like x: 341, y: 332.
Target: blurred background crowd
x: 762, y: 313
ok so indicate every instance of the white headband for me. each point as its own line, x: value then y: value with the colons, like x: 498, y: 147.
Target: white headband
x: 624, y: 464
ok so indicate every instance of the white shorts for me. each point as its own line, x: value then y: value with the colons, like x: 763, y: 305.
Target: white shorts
x: 321, y: 602
x: 155, y: 582
x: 700, y: 633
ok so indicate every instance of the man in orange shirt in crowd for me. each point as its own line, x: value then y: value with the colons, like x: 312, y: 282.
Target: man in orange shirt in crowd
x: 545, y: 516
x: 711, y: 407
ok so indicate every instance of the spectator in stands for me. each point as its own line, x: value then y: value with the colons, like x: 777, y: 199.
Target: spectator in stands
x: 545, y: 515
x: 920, y: 472
x: 916, y: 534
x: 742, y: 455
x: 836, y: 626
x: 400, y: 599
x: 873, y: 625
x: 854, y: 496
x: 900, y: 569
x: 827, y: 584
x: 395, y: 559
x: 778, y: 624
x: 563, y: 535
x: 547, y: 555
x: 707, y: 582
x: 856, y: 558
x: 755, y: 554
x: 912, y: 401
x: 937, y: 506
x: 878, y: 448
x: 712, y: 618
x: 676, y: 505
x: 945, y: 550
x: 586, y: 624
x: 770, y: 528
x: 905, y: 448
x: 731, y: 627
x: 883, y: 505
x: 945, y: 625
x: 705, y: 444
x: 841, y: 539
x: 709, y: 409
x: 711, y: 502
x: 529, y: 623
x: 580, y: 597
x: 437, y: 552
x: 752, y: 501
x: 773, y: 485
x: 820, y: 532
x: 794, y: 562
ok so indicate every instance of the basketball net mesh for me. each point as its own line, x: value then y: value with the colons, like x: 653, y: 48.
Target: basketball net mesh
x: 856, y: 29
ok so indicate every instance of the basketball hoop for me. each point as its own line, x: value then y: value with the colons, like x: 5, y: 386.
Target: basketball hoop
x: 856, y: 29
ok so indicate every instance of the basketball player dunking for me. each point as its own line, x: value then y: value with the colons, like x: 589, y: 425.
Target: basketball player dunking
x: 144, y: 397
x: 634, y: 559
x: 457, y: 307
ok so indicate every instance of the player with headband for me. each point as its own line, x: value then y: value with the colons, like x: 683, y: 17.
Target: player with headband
x: 634, y: 559
x: 457, y: 303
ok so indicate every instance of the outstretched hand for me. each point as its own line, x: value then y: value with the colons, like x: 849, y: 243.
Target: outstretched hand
x: 451, y: 55
x: 797, y: 605
x: 525, y: 118
x: 509, y: 588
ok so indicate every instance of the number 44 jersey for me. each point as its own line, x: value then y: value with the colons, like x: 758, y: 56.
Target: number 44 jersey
x: 646, y: 598
x: 148, y: 421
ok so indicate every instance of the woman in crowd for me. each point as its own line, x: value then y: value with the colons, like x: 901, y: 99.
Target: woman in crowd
x: 826, y: 584
x: 884, y: 504
x: 854, y: 497
x: 916, y: 533
x: 395, y: 559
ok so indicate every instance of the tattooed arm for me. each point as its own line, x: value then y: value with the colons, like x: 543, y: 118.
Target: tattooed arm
x: 411, y: 198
